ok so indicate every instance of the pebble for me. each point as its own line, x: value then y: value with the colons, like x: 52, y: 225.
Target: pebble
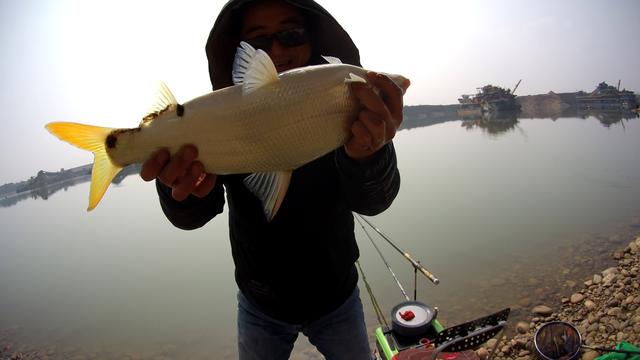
x: 491, y: 343
x: 590, y: 355
x: 611, y: 270
x: 522, y: 327
x: 542, y: 310
x: 609, y: 278
x: 576, y: 298
x: 482, y: 353
x: 614, y: 311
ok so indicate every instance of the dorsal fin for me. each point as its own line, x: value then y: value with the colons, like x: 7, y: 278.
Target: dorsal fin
x: 252, y: 68
x: 241, y: 62
x: 163, y: 100
x: 332, y: 59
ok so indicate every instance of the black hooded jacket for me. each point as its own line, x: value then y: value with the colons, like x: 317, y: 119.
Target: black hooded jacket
x: 300, y: 265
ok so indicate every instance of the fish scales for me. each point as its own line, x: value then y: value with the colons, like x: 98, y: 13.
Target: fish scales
x: 281, y: 126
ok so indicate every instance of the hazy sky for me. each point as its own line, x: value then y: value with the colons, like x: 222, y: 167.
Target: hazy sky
x: 98, y: 62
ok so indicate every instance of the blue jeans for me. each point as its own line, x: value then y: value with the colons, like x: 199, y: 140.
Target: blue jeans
x: 341, y: 334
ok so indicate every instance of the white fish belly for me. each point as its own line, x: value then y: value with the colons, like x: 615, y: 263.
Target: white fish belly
x: 278, y: 127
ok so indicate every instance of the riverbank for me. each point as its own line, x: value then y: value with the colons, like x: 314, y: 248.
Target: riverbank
x: 606, y: 310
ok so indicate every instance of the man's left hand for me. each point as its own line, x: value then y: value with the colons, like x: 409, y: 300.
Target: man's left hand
x: 379, y: 117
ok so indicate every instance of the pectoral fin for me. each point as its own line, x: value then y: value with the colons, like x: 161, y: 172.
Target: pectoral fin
x: 270, y: 188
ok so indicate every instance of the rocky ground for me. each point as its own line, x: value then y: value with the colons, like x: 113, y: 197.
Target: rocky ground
x: 605, y: 310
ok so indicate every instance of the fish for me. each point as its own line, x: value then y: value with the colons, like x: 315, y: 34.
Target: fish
x: 266, y: 125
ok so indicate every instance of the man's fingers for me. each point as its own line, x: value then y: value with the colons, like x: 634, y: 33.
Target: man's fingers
x: 184, y: 185
x: 178, y: 165
x: 369, y: 99
x: 181, y: 172
x: 375, y: 125
x: 387, y: 105
x: 391, y: 94
x: 152, y: 167
x: 204, y: 185
x: 361, y: 135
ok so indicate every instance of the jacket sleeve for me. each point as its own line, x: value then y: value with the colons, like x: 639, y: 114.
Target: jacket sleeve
x: 193, y: 212
x: 369, y: 188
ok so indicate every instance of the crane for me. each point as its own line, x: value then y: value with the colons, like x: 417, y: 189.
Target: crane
x: 515, y: 87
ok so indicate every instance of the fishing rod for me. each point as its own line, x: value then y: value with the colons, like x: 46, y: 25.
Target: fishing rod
x: 416, y: 265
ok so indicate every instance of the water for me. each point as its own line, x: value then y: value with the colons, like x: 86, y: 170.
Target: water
x: 503, y: 218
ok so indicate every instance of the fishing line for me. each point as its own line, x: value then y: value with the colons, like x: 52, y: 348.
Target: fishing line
x: 384, y: 260
x: 376, y: 307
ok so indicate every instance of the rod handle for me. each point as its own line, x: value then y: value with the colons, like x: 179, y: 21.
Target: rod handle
x: 422, y: 269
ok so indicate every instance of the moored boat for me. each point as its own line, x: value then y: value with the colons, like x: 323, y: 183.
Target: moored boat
x: 607, y: 98
x: 489, y: 100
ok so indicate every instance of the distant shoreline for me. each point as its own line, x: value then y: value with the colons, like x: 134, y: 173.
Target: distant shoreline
x: 550, y: 105
x: 45, y: 183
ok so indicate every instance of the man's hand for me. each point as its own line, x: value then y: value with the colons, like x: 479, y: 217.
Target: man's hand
x: 182, y: 173
x: 379, y: 118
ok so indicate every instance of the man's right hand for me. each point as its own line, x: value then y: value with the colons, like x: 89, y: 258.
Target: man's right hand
x: 182, y: 173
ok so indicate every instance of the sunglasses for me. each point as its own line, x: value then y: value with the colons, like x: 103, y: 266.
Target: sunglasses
x: 287, y: 38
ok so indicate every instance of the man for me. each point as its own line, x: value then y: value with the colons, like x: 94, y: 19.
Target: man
x: 296, y: 273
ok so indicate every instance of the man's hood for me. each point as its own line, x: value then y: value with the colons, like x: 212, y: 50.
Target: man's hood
x: 328, y: 37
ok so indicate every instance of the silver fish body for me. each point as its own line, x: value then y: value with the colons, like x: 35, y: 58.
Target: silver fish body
x: 280, y: 126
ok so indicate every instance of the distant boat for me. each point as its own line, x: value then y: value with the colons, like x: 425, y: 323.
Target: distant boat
x: 490, y: 100
x: 607, y: 98
x: 469, y: 107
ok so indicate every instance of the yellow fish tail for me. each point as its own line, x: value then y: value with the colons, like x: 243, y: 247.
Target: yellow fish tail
x: 91, y: 138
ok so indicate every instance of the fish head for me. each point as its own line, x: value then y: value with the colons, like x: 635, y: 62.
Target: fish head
x: 402, y: 82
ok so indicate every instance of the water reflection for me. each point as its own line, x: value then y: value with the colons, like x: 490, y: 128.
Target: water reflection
x: 506, y: 121
x: 496, y: 123
x: 493, y: 123
x: 608, y: 118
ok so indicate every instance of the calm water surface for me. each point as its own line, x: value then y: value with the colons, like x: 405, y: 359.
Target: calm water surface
x: 482, y: 210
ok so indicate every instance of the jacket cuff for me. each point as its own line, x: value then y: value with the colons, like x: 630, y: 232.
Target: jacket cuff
x: 169, y: 202
x: 377, y: 167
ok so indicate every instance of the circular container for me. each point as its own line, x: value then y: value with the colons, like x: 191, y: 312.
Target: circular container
x: 419, y: 324
x: 557, y: 340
